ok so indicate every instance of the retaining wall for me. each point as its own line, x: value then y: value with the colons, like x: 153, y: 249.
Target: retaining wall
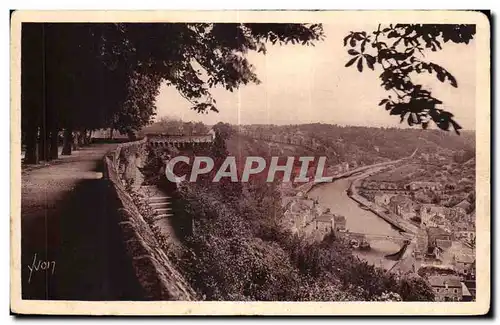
x: 154, y: 270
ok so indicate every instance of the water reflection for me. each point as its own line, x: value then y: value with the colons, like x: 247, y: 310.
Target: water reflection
x: 333, y: 195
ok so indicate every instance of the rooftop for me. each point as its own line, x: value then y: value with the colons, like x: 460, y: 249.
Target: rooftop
x: 465, y: 258
x: 325, y: 217
x: 464, y: 204
x: 443, y: 280
x: 465, y: 290
x: 443, y: 244
x: 400, y: 200
x: 436, y: 231
x: 338, y: 218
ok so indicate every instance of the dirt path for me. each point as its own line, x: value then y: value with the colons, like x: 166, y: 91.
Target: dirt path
x: 68, y: 223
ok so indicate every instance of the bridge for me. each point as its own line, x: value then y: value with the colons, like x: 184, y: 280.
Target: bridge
x: 179, y: 141
x: 376, y: 237
x: 360, y: 240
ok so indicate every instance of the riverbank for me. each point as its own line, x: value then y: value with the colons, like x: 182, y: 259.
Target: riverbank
x: 382, y: 213
x: 305, y: 188
x: 386, y: 215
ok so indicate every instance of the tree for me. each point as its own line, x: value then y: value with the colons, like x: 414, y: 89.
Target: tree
x: 415, y: 288
x: 32, y: 97
x: 138, y: 108
x: 66, y: 84
x: 399, y: 51
x: 197, y: 56
x: 85, y: 76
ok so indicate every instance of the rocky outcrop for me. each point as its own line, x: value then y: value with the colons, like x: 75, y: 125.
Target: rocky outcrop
x: 154, y: 270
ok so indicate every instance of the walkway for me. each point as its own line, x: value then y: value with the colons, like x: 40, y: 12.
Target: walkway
x: 66, y: 218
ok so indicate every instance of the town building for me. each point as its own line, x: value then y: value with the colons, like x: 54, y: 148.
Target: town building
x: 464, y: 205
x: 471, y: 286
x: 438, y: 241
x: 433, y: 186
x: 446, y: 287
x: 212, y: 133
x: 402, y: 206
x: 382, y: 199
x: 420, y: 249
x: 464, y: 264
x: 325, y: 222
x: 466, y: 294
x: 465, y: 235
x: 300, y: 211
x: 340, y: 223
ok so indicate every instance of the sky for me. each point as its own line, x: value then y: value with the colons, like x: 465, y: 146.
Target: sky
x: 306, y: 84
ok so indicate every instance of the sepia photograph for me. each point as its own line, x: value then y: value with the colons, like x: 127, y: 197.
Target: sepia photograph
x: 216, y: 162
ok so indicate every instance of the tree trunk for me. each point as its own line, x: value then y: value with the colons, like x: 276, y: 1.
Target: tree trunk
x: 31, y: 154
x: 131, y: 136
x: 89, y: 137
x: 79, y: 138
x: 74, y: 136
x: 67, y: 142
x: 111, y: 131
x: 43, y: 143
x: 86, y: 137
x: 54, y: 143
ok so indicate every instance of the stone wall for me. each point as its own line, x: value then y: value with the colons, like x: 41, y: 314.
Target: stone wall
x: 154, y: 270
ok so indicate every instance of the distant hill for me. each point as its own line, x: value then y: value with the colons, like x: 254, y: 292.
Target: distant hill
x: 359, y: 145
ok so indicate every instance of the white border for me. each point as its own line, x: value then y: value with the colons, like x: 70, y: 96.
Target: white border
x: 297, y: 308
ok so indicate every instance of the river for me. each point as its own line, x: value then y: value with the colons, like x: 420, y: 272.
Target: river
x: 333, y: 195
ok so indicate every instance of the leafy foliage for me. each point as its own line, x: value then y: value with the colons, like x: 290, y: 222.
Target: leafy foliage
x: 138, y: 108
x: 197, y: 56
x: 399, y: 51
x: 100, y: 75
x: 170, y: 125
x: 239, y: 250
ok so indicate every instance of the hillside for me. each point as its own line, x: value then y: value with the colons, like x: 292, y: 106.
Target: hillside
x: 357, y: 146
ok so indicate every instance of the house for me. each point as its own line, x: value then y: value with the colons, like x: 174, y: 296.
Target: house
x: 464, y: 264
x: 324, y: 223
x: 464, y: 205
x: 431, y: 215
x: 421, y: 245
x: 471, y: 286
x: 339, y: 223
x: 382, y: 199
x: 446, y: 287
x: 370, y: 185
x: 402, y: 206
x: 438, y: 241
x: 286, y: 201
x: 415, y: 186
x: 439, y: 221
x: 212, y: 134
x: 443, y: 244
x: 434, y: 233
x: 466, y: 294
x: 465, y: 235
x: 301, y: 211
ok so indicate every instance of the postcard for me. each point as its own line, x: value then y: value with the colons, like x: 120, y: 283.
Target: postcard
x: 250, y: 162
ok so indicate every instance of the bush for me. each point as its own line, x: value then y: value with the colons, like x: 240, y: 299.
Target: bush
x: 238, y: 250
